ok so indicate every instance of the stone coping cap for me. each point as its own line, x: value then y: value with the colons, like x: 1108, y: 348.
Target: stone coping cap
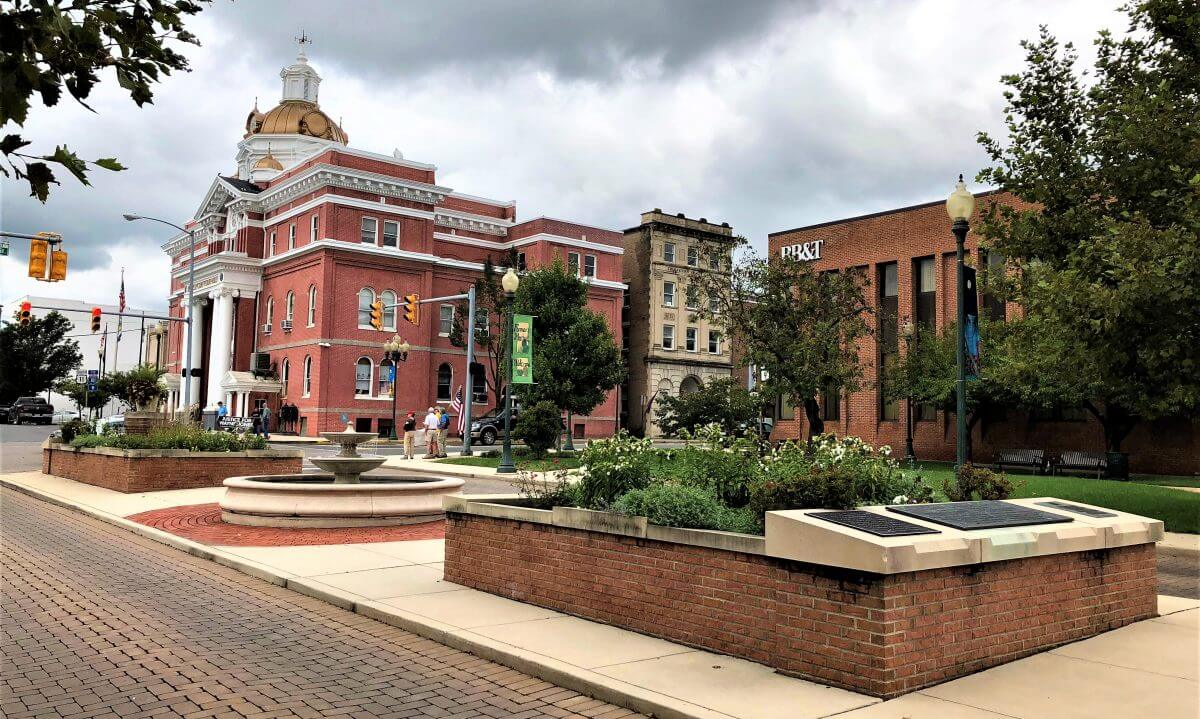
x: 793, y: 534
x: 509, y: 506
x: 414, y: 485
x: 177, y: 453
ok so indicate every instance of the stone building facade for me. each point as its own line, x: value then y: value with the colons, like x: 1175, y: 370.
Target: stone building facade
x: 669, y: 350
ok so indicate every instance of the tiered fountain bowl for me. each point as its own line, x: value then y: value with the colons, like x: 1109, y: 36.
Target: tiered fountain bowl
x: 337, y: 497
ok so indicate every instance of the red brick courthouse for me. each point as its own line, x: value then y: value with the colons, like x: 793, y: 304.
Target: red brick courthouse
x: 305, y: 233
x: 908, y: 256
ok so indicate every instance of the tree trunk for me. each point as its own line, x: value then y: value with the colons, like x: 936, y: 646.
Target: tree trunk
x: 972, y: 420
x: 1117, y: 422
x: 812, y: 411
x: 570, y: 445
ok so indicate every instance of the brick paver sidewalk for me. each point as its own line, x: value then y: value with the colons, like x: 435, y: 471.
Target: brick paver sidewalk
x: 96, y: 622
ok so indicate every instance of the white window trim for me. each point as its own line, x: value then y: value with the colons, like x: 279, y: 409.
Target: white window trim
x: 395, y: 310
x: 370, y: 379
x: 292, y: 236
x: 578, y: 259
x: 440, y: 320
x: 711, y: 351
x: 687, y: 298
x: 691, y: 336
x: 663, y: 342
x: 306, y: 379
x: 674, y: 291
x: 270, y: 310
x: 289, y: 306
x: 374, y: 232
x: 693, y: 257
x: 673, y: 249
x: 357, y: 309
x: 586, y: 258
x: 271, y: 245
x: 312, y: 305
x: 285, y: 374
x: 384, y: 233
x: 313, y: 230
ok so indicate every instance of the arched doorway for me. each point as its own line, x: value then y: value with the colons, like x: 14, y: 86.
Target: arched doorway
x: 689, y: 385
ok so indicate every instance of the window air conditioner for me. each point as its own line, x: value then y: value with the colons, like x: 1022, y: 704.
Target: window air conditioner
x: 266, y: 328
x: 285, y: 325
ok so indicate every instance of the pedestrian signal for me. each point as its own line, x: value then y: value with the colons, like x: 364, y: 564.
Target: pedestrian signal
x: 377, y: 314
x: 58, y: 266
x: 96, y: 314
x: 412, y: 308
x: 25, y: 316
x: 39, y: 253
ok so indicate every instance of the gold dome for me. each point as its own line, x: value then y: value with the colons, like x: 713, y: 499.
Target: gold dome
x: 299, y: 117
x: 268, y: 162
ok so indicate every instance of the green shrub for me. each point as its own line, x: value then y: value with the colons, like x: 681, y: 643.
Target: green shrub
x: 818, y: 488
x: 138, y: 388
x: 724, y: 473
x: 539, y: 427
x: 744, y: 520
x: 174, y: 436
x: 611, y: 467
x: 977, y: 483
x: 672, y: 505
x: 556, y: 490
x: 70, y: 430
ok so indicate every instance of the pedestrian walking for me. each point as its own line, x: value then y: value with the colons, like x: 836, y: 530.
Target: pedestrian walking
x: 431, y: 429
x: 266, y: 421
x: 256, y: 422
x: 443, y: 430
x: 410, y: 434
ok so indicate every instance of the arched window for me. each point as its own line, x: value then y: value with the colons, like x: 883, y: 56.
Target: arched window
x: 307, y: 388
x: 689, y: 385
x: 285, y: 372
x: 289, y: 306
x: 312, y: 305
x: 270, y: 311
x: 366, y: 296
x: 389, y: 312
x: 385, y: 378
x: 444, y: 380
x: 362, y: 377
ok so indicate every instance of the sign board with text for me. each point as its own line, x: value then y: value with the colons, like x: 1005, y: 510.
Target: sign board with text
x: 522, y: 349
x: 804, y: 251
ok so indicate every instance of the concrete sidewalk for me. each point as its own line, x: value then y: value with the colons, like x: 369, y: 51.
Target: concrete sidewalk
x: 1146, y: 669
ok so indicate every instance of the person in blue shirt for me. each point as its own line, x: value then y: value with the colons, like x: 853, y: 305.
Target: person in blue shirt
x: 443, y: 430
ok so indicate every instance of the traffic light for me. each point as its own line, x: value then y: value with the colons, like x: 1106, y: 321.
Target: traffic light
x: 26, y: 314
x: 377, y: 314
x: 39, y: 252
x: 58, y: 265
x: 96, y: 313
x: 412, y: 308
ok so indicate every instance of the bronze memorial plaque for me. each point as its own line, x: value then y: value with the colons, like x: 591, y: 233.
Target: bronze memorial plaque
x: 872, y: 523
x: 988, y: 514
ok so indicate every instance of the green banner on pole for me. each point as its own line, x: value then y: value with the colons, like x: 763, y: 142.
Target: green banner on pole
x: 522, y: 349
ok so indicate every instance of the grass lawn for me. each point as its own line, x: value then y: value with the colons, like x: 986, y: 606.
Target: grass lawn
x: 523, y: 462
x: 1166, y: 480
x: 1179, y: 510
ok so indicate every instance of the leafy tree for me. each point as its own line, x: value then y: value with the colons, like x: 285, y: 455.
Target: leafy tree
x: 489, y: 298
x: 33, y: 357
x: 78, y: 393
x: 539, y: 426
x: 576, y: 361
x: 47, y: 46
x: 1105, y: 258
x: 137, y: 388
x: 927, y: 373
x: 799, y: 326
x: 721, y: 401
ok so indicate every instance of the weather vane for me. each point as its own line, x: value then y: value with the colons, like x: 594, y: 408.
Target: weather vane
x: 303, y: 40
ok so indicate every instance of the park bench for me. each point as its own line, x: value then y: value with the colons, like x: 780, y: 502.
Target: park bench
x: 1080, y: 461
x: 1034, y: 459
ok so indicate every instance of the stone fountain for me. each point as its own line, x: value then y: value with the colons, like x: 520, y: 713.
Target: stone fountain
x: 339, y: 496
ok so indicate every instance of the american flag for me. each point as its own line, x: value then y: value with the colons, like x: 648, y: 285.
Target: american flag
x: 456, y: 406
x: 120, y: 308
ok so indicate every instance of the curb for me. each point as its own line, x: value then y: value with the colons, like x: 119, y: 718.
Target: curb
x: 567, y: 676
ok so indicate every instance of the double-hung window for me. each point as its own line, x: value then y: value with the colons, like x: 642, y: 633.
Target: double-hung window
x: 668, y: 252
x: 391, y: 233
x: 573, y: 263
x: 714, y: 342
x: 693, y: 258
x: 370, y: 227
x: 669, y: 294
x: 690, y: 340
x: 314, y: 228
x: 292, y: 236
x: 445, y: 320
x: 668, y: 337
x: 589, y: 265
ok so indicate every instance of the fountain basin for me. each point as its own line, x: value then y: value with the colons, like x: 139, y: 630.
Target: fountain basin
x: 316, y: 500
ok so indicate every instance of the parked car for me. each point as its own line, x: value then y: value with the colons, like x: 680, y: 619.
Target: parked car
x: 116, y: 421
x: 490, y: 427
x: 62, y: 416
x: 32, y: 410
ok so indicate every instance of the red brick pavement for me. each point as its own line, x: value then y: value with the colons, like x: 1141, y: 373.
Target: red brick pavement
x: 98, y: 623
x: 202, y: 523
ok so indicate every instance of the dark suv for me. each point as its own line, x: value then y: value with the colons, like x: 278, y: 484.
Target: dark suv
x: 490, y: 427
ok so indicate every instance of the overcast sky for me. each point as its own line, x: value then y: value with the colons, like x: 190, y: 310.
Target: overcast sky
x: 766, y: 115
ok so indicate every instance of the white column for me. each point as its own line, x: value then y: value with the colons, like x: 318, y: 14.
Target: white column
x: 219, y: 358
x: 196, y: 312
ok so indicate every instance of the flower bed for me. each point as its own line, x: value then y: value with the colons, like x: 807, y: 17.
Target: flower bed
x: 146, y: 470
x: 874, y: 616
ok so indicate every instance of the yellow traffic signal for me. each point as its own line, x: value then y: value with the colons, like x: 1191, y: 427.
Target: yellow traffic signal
x: 96, y: 313
x: 39, y: 251
x: 26, y: 314
x: 377, y: 314
x: 58, y: 265
x: 412, y: 308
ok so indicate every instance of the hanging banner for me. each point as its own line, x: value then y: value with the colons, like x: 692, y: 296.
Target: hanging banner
x: 971, y: 310
x: 522, y: 349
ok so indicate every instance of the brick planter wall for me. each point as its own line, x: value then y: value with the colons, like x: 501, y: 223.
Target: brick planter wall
x: 147, y: 470
x: 883, y: 635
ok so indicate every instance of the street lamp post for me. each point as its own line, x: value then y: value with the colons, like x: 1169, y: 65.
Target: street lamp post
x: 960, y: 206
x: 909, y: 455
x: 396, y: 351
x: 509, y: 282
x: 191, y: 288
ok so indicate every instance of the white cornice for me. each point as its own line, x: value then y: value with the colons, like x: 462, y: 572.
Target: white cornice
x: 326, y: 175
x: 472, y: 222
x: 484, y: 200
x: 348, y: 202
x: 571, y: 222
x: 392, y: 159
x: 540, y: 237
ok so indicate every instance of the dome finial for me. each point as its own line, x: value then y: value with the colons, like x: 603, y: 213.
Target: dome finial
x: 302, y: 41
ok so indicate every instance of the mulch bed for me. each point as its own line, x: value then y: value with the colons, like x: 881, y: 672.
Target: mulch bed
x: 202, y: 523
